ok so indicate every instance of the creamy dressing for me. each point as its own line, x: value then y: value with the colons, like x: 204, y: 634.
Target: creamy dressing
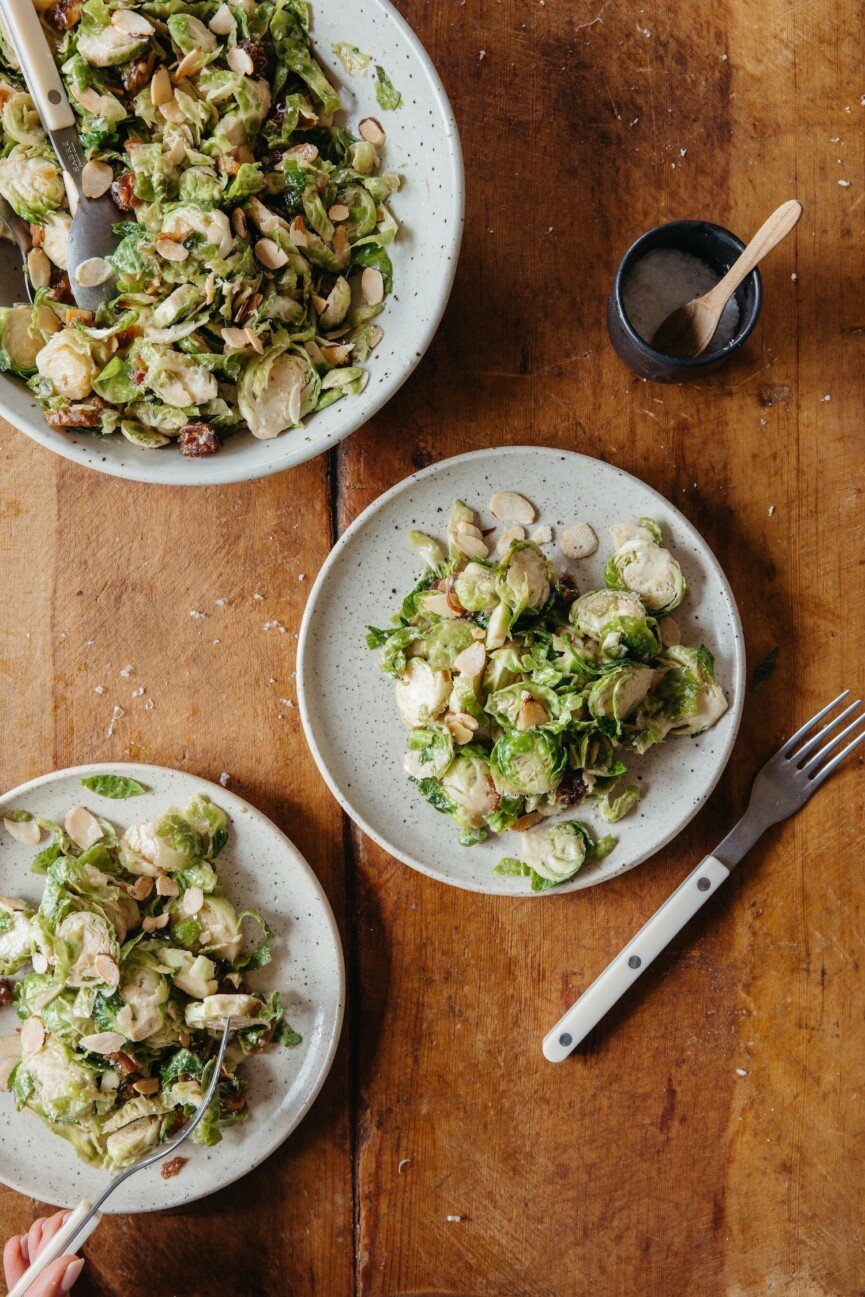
x: 665, y: 279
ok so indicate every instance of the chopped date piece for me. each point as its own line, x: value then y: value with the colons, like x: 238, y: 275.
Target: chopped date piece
x: 5, y: 991
x: 123, y: 1064
x: 172, y: 1167
x: 568, y: 587
x: 198, y: 439
x: 83, y: 414
x: 136, y: 73
x: 571, y: 789
x: 37, y: 235
x: 258, y: 54
x: 64, y: 14
x: 234, y: 1102
x: 60, y: 287
x: 123, y: 192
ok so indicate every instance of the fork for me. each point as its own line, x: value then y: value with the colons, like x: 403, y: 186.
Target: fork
x: 781, y: 788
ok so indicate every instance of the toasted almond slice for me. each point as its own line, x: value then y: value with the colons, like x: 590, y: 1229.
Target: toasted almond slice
x: 320, y: 303
x: 341, y: 245
x: 470, y: 545
x: 26, y: 831
x: 339, y: 212
x: 39, y: 962
x: 170, y: 249
x: 531, y: 714
x: 132, y: 23
x: 578, y: 541
x: 93, y: 271
x: 507, y: 506
x: 337, y: 355
x: 372, y: 131
x: 96, y: 177
x: 106, y: 968
x: 32, y: 1036
x: 172, y: 112
x: 375, y: 336
x: 141, y: 888
x: 254, y: 341
x: 166, y: 886
x: 508, y: 536
x: 270, y: 254
x: 670, y: 633
x: 307, y: 152
x: 160, y: 88
x: 234, y: 338
x: 148, y: 923
x: 526, y: 822
x: 10, y: 1046
x: 372, y: 286
x: 222, y: 23
x: 83, y: 828
x: 38, y: 268
x: 72, y: 195
x: 438, y: 603
x: 187, y: 65
x: 89, y: 99
x: 468, y: 529
x: 471, y: 661
x: 193, y: 900
x: 103, y: 1042
x: 298, y: 233
x: 149, y: 1085
x: 177, y: 151
x: 238, y: 222
x: 459, y: 733
x: 239, y: 61
x: 542, y: 535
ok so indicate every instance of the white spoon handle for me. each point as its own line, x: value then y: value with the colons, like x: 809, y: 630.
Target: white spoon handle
x: 37, y: 64
x: 619, y: 976
x: 69, y: 1238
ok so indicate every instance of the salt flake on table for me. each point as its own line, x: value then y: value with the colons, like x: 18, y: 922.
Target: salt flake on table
x: 126, y: 672
x: 845, y: 184
x: 224, y: 778
x: 194, y: 612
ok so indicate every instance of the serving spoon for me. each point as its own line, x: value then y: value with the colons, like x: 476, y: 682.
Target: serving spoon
x: 689, y: 330
x: 80, y: 1223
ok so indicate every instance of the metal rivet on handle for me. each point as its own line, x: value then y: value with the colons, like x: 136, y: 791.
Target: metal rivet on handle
x: 704, y: 884
x: 634, y: 961
x: 54, y: 96
x: 566, y: 1039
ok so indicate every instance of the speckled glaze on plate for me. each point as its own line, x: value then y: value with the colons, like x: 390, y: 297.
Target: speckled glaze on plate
x: 261, y: 869
x: 347, y: 704
x: 423, y: 145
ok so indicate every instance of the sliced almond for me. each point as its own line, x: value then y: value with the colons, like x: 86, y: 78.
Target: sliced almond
x: 507, y: 538
x: 526, y: 822
x: 254, y: 341
x: 507, y: 506
x: 438, y: 603
x: 542, y: 535
x: 26, y: 831
x: 193, y: 900
x: 132, y: 23
x: 339, y: 212
x: 96, y: 177
x: 39, y: 962
x: 372, y: 131
x: 89, y: 99
x: 298, y: 233
x: 160, y: 88
x: 103, y: 1042
x: 372, y: 286
x: 141, y: 888
x: 92, y: 272
x: 239, y: 61
x: 670, y: 633
x: 172, y: 112
x: 83, y: 828
x: 106, y: 968
x: 170, y: 249
x: 307, y: 152
x: 471, y: 661
x: 270, y: 254
x: 238, y: 222
x: 32, y: 1036
x: 468, y: 529
x: 578, y: 541
x: 149, y: 1085
x: 38, y: 268
x: 261, y: 216
x: 375, y: 336
x: 72, y: 195
x: 531, y: 714
x: 459, y: 733
x: 234, y: 338
x: 177, y: 151
x: 222, y: 23
x: 341, y: 245
x: 470, y: 545
x: 188, y: 65
x: 337, y: 355
x: 166, y: 886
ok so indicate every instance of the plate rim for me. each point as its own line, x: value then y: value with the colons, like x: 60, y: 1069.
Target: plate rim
x: 577, y: 884
x: 112, y: 767
x: 229, y: 470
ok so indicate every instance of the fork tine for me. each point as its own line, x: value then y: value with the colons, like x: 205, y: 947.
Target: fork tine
x: 811, y: 766
x: 809, y: 725
x: 835, y: 762
x: 823, y: 733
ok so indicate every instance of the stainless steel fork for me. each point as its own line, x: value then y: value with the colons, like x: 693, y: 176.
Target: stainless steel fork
x: 784, y: 785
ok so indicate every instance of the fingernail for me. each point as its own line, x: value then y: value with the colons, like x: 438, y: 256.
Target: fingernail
x: 25, y: 1248
x: 72, y: 1272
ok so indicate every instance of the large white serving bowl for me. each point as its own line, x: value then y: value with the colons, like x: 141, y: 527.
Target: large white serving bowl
x: 423, y: 145
x: 259, y: 869
x: 348, y: 708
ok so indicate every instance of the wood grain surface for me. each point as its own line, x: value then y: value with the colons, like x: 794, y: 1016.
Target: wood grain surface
x: 709, y: 1140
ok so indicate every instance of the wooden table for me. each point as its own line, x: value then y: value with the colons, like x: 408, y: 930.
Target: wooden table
x: 710, y: 1142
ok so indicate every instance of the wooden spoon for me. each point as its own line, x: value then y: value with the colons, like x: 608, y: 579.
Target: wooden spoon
x: 689, y: 330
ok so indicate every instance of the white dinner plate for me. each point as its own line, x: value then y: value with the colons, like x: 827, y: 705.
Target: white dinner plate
x: 347, y: 703
x: 259, y: 869
x: 423, y: 146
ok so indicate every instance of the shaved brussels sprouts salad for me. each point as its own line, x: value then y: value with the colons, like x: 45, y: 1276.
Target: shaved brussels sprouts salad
x: 252, y: 231
x: 135, y: 958
x: 520, y: 693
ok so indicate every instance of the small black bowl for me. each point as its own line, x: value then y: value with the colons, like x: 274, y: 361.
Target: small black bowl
x: 719, y: 249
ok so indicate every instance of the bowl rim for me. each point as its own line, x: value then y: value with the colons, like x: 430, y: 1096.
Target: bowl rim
x: 233, y: 468
x: 735, y: 710
x: 646, y: 349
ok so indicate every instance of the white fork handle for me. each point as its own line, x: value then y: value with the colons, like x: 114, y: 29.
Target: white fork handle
x: 68, y: 1234
x: 37, y: 64
x: 630, y: 963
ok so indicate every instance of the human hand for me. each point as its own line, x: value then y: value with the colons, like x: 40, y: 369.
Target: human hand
x: 57, y: 1278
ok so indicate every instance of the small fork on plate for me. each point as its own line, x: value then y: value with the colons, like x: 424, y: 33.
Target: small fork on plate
x: 781, y: 788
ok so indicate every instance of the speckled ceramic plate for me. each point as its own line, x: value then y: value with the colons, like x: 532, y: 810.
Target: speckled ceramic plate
x: 261, y: 869
x: 423, y: 145
x: 347, y: 704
